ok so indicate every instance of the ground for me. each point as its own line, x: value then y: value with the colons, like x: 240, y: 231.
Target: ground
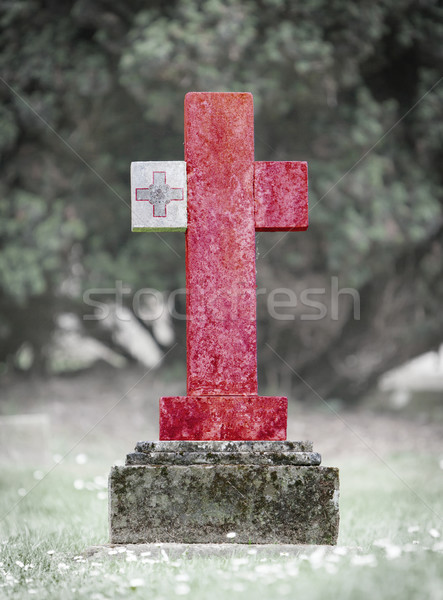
x: 53, y: 500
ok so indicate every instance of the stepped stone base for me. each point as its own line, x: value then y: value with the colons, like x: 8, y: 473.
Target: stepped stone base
x: 204, y: 492
x: 223, y: 417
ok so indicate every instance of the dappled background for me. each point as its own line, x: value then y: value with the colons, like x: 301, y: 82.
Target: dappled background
x: 351, y: 87
x: 87, y: 87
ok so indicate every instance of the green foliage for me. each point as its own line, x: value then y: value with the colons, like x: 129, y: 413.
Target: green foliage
x: 37, y: 237
x: 96, y: 85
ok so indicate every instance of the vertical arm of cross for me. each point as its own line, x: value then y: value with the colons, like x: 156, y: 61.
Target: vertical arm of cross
x: 220, y: 244
x: 159, y: 178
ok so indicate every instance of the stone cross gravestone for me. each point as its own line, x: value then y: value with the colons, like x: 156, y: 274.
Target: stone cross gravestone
x: 222, y: 463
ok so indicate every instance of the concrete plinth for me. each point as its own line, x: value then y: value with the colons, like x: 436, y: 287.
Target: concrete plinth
x: 199, y: 492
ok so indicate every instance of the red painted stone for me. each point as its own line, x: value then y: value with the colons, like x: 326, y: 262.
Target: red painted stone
x: 223, y: 215
x: 223, y: 418
x: 220, y: 245
x: 281, y: 196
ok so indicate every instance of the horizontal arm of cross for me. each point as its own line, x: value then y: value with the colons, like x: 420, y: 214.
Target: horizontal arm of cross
x: 281, y: 196
x: 175, y: 194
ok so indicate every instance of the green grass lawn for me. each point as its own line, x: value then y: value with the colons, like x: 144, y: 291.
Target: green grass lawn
x: 389, y: 545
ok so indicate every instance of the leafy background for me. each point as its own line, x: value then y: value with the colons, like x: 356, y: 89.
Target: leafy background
x: 351, y: 87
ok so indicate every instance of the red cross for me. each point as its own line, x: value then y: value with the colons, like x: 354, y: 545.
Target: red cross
x: 230, y: 197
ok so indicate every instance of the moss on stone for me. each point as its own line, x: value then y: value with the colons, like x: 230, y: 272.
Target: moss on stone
x: 198, y: 503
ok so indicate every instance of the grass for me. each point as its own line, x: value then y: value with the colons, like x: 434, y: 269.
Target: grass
x: 388, y: 546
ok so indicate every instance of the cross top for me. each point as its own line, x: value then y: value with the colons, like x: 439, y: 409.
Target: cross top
x: 229, y: 197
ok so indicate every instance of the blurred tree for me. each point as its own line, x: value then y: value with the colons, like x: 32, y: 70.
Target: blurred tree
x: 88, y: 87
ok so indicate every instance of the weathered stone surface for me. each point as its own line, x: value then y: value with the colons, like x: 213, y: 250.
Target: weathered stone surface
x: 223, y: 446
x: 202, y: 504
x: 229, y: 197
x: 158, y: 196
x: 281, y: 196
x: 224, y: 458
x: 223, y: 418
x: 224, y: 453
x: 220, y: 245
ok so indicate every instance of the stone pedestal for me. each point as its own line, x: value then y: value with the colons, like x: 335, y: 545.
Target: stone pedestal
x: 199, y: 492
